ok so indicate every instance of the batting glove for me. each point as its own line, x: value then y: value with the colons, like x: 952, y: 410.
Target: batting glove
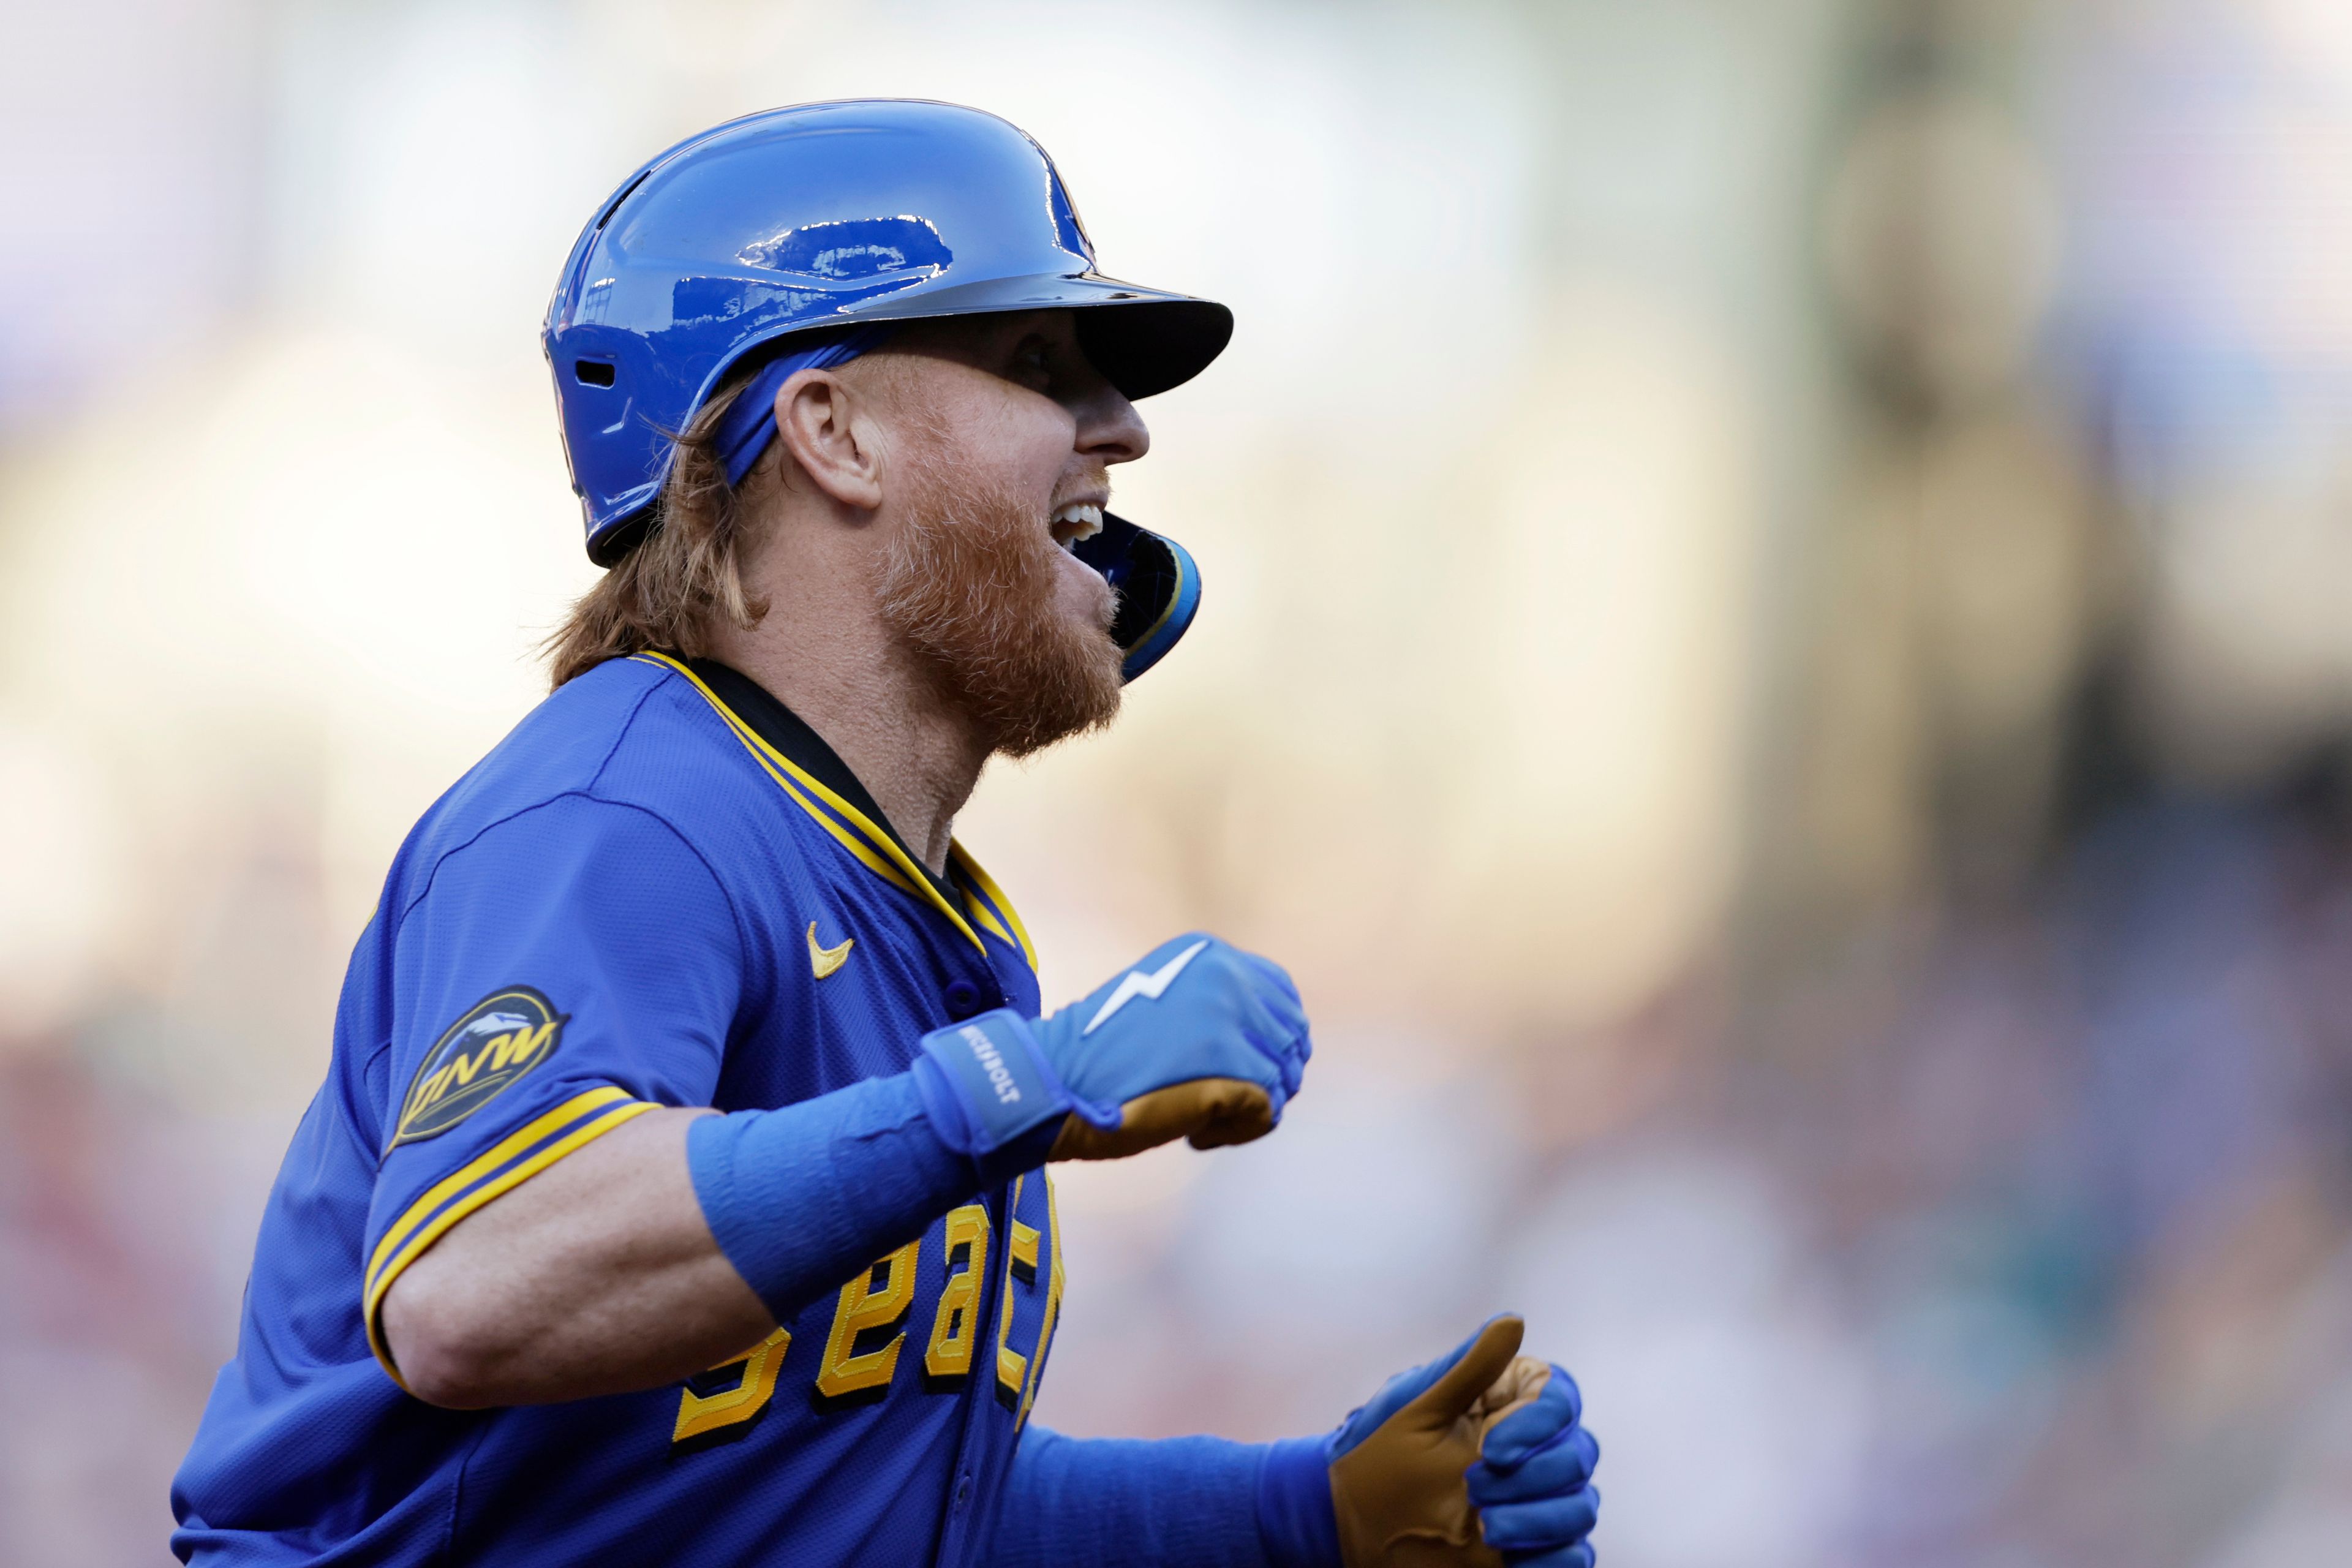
x: 1200, y: 1040
x: 1476, y: 1459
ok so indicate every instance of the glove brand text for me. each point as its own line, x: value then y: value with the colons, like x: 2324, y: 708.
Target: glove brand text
x: 1000, y: 1076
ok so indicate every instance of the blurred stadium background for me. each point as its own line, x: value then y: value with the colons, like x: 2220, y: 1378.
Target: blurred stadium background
x: 1777, y: 658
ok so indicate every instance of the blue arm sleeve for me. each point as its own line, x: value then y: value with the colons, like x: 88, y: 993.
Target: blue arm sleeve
x: 798, y: 1197
x: 1179, y: 1502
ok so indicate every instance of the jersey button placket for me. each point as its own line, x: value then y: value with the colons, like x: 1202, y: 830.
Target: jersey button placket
x: 964, y: 999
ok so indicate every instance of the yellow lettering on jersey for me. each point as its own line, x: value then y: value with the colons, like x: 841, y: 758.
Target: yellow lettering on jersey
x: 1053, y: 1309
x: 1011, y: 1366
x: 955, y: 1327
x: 698, y: 1414
x: 864, y: 1306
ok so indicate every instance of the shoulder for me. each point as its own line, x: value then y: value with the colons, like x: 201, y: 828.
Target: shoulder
x: 559, y: 748
x: 685, y: 760
x: 629, y: 752
x: 559, y: 761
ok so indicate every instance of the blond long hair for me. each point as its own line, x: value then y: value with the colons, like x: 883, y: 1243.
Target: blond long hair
x: 686, y: 570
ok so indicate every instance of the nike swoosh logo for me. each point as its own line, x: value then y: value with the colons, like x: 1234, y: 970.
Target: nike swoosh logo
x: 1148, y: 986
x: 824, y: 961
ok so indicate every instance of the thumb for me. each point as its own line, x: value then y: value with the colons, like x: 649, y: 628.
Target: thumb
x: 1450, y: 1396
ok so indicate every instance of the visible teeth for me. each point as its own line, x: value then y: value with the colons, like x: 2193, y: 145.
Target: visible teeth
x: 1075, y: 522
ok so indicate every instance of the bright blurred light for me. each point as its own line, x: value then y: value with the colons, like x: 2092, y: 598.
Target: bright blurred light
x: 64, y: 870
x: 1729, y: 1399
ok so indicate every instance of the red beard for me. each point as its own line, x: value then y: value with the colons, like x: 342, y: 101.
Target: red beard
x: 970, y: 590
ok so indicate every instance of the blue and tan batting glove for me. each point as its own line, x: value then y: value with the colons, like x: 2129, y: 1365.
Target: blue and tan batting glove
x: 1477, y: 1458
x: 1533, y: 1481
x: 1199, y: 1040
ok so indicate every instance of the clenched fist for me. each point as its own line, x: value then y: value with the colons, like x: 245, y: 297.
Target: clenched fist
x: 1477, y: 1458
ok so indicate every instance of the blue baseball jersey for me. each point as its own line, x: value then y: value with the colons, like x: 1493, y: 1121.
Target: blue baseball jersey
x: 661, y: 888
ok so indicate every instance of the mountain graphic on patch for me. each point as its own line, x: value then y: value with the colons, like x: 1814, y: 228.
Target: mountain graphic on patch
x: 501, y: 1037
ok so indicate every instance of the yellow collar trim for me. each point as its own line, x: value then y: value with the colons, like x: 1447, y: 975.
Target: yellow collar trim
x: 874, y: 847
x: 995, y: 905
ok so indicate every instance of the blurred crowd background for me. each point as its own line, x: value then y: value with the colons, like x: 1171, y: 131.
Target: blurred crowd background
x: 1777, y: 658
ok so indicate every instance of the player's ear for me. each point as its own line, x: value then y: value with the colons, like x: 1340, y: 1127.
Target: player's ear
x: 831, y: 437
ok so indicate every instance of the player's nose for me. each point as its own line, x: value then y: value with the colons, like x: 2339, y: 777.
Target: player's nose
x: 1110, y: 429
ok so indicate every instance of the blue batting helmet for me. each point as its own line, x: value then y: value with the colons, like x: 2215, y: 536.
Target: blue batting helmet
x: 728, y: 246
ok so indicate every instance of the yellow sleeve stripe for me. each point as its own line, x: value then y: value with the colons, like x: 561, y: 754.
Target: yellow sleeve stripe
x: 876, y: 850
x: 505, y: 1149
x: 571, y: 1142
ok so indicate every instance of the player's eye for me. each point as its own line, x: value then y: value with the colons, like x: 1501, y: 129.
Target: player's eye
x: 1033, y: 362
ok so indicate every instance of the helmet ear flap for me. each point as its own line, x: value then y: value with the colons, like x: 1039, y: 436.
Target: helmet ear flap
x: 1159, y: 589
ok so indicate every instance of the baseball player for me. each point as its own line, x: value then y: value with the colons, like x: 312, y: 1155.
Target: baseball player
x: 678, y: 1189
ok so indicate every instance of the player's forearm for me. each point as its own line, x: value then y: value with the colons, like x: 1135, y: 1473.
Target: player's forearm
x: 597, y: 1275
x: 669, y: 1245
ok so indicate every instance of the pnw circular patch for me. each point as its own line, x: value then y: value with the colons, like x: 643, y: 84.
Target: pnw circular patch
x: 501, y: 1037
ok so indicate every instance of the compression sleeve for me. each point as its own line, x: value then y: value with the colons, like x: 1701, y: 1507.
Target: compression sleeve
x: 1177, y: 1502
x: 798, y: 1197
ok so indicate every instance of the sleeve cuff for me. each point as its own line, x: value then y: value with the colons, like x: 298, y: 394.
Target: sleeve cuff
x: 1296, y: 1523
x: 515, y: 1160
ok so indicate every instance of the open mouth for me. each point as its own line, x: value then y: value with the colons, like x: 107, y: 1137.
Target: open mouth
x: 1076, y: 523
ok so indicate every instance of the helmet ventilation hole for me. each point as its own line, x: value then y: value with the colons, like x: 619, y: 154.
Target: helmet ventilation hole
x: 592, y: 373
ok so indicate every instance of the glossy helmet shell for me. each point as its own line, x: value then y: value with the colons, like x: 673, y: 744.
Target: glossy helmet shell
x: 825, y: 214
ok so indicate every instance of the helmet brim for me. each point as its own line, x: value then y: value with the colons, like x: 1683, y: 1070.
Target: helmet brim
x: 1144, y: 341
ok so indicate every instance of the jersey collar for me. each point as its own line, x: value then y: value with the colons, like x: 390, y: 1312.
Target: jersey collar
x: 813, y: 773
x: 788, y: 735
